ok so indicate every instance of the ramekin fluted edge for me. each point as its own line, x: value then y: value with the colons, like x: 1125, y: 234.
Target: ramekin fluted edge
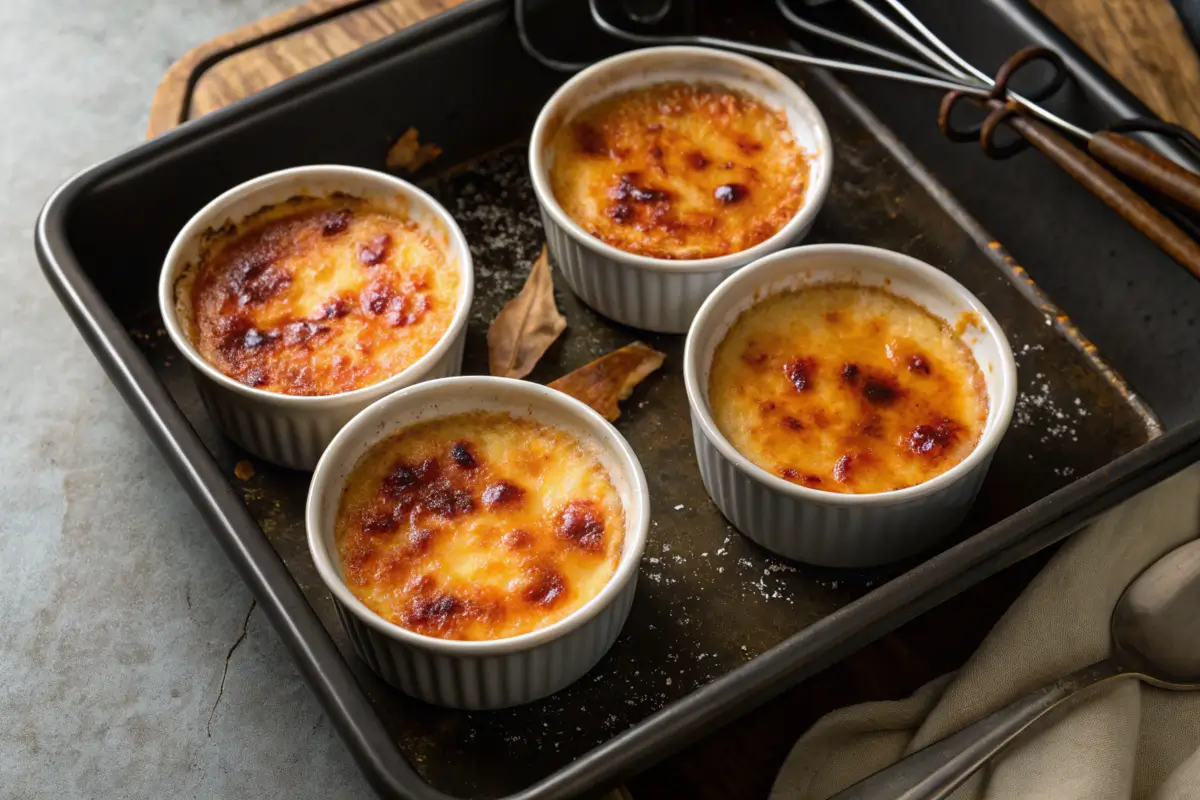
x: 826, y: 528
x: 658, y: 294
x: 290, y: 430
x: 501, y: 672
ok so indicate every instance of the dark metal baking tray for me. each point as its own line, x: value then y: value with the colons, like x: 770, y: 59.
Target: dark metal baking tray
x: 718, y: 624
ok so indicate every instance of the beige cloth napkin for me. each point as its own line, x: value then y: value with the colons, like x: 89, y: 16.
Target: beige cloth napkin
x: 1125, y: 740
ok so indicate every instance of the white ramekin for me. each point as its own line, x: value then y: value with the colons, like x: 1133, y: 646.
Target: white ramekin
x: 653, y: 293
x: 825, y: 528
x: 502, y: 672
x: 284, y: 429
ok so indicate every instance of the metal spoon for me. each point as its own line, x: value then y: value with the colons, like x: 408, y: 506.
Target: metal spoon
x: 1156, y: 638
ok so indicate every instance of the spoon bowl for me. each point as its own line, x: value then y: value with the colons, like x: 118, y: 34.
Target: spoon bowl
x: 1155, y: 629
x: 1156, y: 623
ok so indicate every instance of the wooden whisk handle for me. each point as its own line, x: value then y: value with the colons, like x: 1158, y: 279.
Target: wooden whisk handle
x: 1102, y: 183
x: 1134, y: 159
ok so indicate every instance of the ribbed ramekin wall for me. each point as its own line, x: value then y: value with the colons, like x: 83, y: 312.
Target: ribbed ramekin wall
x: 496, y: 681
x: 833, y: 535
x: 664, y: 301
x: 648, y: 299
x: 296, y: 436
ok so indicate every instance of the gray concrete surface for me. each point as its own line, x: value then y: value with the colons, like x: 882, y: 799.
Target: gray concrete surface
x: 117, y: 609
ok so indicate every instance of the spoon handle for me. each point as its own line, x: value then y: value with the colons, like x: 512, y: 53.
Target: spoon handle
x: 933, y: 772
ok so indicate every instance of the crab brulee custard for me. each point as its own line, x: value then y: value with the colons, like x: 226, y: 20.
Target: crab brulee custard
x: 317, y: 296
x: 679, y: 171
x: 847, y: 389
x: 478, y: 526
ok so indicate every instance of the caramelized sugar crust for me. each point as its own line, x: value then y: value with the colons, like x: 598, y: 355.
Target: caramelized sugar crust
x: 847, y: 389
x: 320, y: 296
x: 478, y: 526
x: 679, y: 171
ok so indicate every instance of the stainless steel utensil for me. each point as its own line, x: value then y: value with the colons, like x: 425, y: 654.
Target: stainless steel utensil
x: 1156, y: 638
x: 647, y: 9
x: 942, y: 59
x: 1119, y: 152
x: 945, y: 69
x: 647, y: 12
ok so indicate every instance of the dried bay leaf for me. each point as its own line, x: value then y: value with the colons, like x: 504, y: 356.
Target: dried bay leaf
x: 611, y: 378
x: 409, y: 154
x: 527, y: 325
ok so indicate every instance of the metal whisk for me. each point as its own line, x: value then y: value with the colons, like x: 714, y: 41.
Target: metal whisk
x: 654, y: 11
x: 934, y: 64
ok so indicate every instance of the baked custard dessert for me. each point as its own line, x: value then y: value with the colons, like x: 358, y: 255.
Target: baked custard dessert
x: 478, y: 526
x: 847, y: 389
x: 316, y: 296
x: 679, y: 171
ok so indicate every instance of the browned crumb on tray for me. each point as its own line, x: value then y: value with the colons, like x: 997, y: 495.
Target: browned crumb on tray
x: 611, y: 378
x: 409, y: 154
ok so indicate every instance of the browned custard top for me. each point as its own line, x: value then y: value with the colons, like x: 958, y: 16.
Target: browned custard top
x: 479, y: 526
x: 847, y: 389
x: 679, y: 171
x: 320, y: 296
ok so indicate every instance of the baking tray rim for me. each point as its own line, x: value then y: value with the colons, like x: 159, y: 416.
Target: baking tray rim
x: 309, y: 642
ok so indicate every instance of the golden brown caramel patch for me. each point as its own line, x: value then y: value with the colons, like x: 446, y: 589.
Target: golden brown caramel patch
x: 320, y: 296
x: 478, y: 526
x: 847, y: 389
x: 679, y: 171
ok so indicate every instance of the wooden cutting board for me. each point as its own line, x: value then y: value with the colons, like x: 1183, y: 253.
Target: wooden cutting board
x: 1141, y: 42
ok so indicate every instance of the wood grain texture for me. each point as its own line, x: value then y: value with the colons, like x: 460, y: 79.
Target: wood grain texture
x: 169, y: 107
x: 268, y: 64
x: 1143, y: 44
x: 203, y: 81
